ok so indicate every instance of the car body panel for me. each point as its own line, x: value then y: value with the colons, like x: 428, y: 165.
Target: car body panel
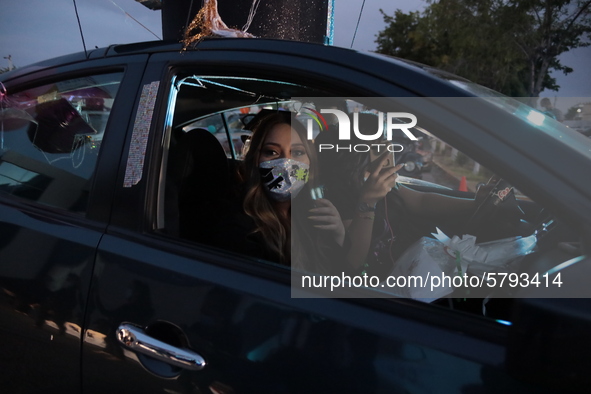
x: 47, y: 257
x: 245, y: 324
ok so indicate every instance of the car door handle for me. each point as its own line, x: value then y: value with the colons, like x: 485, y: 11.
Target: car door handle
x: 137, y: 340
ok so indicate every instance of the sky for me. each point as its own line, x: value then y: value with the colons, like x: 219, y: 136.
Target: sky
x: 31, y: 31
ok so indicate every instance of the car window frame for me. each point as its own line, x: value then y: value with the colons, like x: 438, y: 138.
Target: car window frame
x: 102, y: 187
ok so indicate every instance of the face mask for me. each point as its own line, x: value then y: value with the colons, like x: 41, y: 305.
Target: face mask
x: 283, y: 178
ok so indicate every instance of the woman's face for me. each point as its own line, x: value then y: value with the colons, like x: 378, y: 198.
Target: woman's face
x: 283, y: 142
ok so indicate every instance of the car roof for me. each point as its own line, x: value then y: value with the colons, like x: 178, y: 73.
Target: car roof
x: 383, y: 66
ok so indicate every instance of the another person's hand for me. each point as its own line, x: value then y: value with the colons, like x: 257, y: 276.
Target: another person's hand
x: 327, y: 218
x: 380, y: 181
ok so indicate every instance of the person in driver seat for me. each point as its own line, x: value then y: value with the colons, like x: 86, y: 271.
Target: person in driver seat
x: 382, y: 217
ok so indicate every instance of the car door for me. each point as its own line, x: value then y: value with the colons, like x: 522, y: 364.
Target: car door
x: 54, y: 203
x: 165, y: 314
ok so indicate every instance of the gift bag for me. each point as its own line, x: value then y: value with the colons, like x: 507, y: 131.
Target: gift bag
x: 429, y: 260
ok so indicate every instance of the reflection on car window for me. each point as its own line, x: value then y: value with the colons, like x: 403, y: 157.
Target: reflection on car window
x: 51, y: 137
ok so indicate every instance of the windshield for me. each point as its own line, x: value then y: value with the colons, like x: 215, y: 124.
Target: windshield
x: 519, y: 107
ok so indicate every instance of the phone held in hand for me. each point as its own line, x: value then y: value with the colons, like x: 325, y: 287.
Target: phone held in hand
x: 376, y: 152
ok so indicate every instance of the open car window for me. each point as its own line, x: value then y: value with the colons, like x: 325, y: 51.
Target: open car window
x: 209, y: 113
x: 511, y: 233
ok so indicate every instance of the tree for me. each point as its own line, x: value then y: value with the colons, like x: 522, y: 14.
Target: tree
x: 465, y: 37
x: 549, y: 28
x: 508, y: 45
x: 404, y: 37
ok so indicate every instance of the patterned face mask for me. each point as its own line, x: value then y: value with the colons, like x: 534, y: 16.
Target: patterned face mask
x: 283, y: 178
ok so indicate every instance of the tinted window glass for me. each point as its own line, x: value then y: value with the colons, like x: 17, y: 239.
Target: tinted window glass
x: 50, y: 139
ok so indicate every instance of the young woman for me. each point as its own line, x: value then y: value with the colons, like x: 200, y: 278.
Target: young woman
x: 278, y: 219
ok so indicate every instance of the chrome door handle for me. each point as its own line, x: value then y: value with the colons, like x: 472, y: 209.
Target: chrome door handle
x: 137, y: 340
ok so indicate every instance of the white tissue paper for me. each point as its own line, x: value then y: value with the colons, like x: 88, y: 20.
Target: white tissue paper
x: 442, y: 255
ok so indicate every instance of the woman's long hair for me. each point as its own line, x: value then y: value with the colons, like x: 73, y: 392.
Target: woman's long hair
x: 275, y: 230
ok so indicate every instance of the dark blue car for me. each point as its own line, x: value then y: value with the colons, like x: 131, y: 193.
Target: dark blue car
x: 110, y: 283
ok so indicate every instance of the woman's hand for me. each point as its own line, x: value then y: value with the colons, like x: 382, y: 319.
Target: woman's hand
x: 380, y: 181
x: 327, y: 218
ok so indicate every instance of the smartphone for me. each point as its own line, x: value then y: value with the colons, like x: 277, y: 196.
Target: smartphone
x: 317, y: 192
x: 374, y: 154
